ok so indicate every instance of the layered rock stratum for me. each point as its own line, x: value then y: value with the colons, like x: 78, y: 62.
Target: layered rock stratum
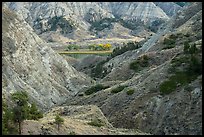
x: 29, y: 64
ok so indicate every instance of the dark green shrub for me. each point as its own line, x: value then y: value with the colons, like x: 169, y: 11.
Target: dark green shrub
x: 186, y: 47
x: 80, y: 94
x: 73, y: 47
x: 130, y: 91
x: 193, y: 49
x: 67, y: 26
x: 131, y: 24
x: 183, y: 75
x: 187, y: 35
x: 145, y: 57
x: 167, y: 87
x: 132, y: 45
x: 72, y: 133
x: 173, y: 37
x: 102, y: 24
x: 96, y: 122
x: 143, y: 61
x: 195, y: 66
x: 95, y: 88
x: 182, y: 78
x: 118, y: 89
x: 59, y: 121
x: 139, y: 63
x: 168, y: 47
x: 135, y: 66
x: 155, y: 25
x: 168, y: 41
x: 179, y: 60
x: 98, y: 71
x: 34, y: 113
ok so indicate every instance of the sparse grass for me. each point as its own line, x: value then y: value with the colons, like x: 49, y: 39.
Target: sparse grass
x: 118, y: 89
x: 130, y: 91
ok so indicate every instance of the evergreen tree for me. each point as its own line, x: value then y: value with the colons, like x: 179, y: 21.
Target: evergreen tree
x: 186, y: 47
x: 58, y: 121
x: 195, y: 66
x: 8, y: 126
x: 21, y: 108
x: 192, y: 49
x: 18, y: 113
x: 34, y: 113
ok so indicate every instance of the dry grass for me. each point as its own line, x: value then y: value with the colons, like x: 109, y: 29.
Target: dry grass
x: 84, y: 52
x: 120, y: 39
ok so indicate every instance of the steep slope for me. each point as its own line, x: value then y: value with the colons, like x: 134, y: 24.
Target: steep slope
x: 29, y: 64
x: 186, y: 26
x: 170, y: 8
x: 144, y: 11
x: 187, y: 13
x: 147, y: 107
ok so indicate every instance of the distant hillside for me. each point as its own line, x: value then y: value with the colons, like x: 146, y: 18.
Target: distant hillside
x: 77, y: 20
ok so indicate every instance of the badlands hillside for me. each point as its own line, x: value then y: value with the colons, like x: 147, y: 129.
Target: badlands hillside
x: 150, y: 83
